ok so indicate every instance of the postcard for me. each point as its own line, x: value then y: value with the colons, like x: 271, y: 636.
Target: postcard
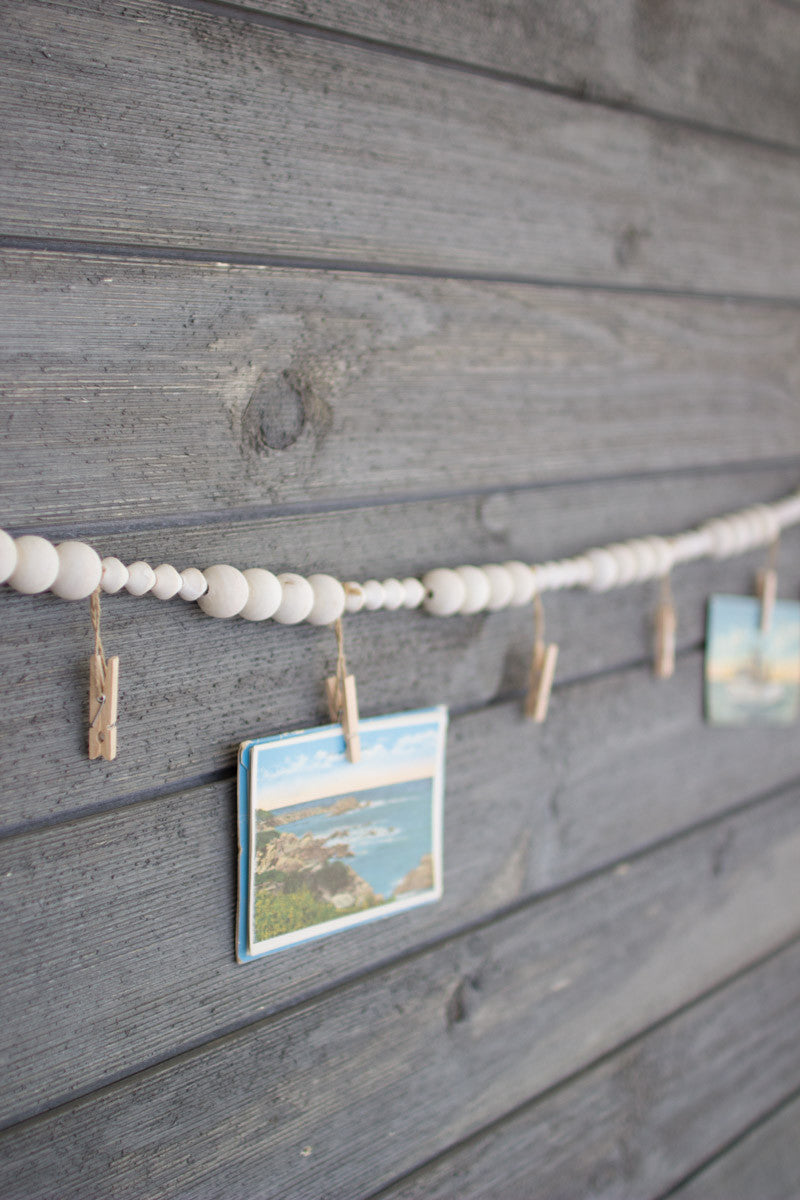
x: 752, y: 677
x: 326, y: 844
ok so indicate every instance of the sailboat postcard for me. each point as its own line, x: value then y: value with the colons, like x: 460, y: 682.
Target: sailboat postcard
x: 752, y: 676
x: 326, y: 844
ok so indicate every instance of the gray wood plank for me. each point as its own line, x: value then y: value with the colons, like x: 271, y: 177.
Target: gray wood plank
x: 141, y: 390
x: 631, y: 1126
x: 265, y: 142
x: 729, y: 62
x: 128, y: 916
x: 764, y: 1163
x: 340, y: 1096
x: 192, y: 688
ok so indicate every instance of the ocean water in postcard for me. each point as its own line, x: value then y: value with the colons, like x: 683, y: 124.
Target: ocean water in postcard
x: 752, y: 677
x: 326, y: 844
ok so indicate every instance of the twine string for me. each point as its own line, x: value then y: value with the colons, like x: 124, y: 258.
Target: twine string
x: 99, y: 663
x: 341, y: 661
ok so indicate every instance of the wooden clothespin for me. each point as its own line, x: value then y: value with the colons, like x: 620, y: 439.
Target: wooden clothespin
x: 767, y: 586
x: 103, y: 693
x: 340, y: 690
x: 666, y: 624
x: 543, y: 668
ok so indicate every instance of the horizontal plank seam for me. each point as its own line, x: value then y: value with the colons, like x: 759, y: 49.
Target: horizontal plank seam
x: 224, y: 257
x: 247, y: 514
x: 774, y: 1111
x: 124, y: 801
x: 296, y: 25
x: 607, y: 1057
x: 304, y: 1001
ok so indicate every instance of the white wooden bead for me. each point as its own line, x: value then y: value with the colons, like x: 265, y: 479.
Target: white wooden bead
x: 329, y: 599
x: 604, y: 570
x: 227, y: 591
x: 662, y: 549
x: 353, y: 597
x: 501, y: 587
x: 768, y: 527
x: 542, y: 575
x: 645, y: 558
x: 264, y: 594
x: 414, y: 593
x: 583, y: 570
x: 445, y: 592
x: 722, y: 537
x: 524, y: 582
x: 36, y: 567
x: 8, y: 555
x: 193, y: 584
x: 627, y: 563
x: 476, y: 589
x: 393, y: 594
x: 114, y: 576
x: 297, y: 599
x: 141, y: 578
x: 79, y: 571
x: 373, y: 595
x: 168, y: 582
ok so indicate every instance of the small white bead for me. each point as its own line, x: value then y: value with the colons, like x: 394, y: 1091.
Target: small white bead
x: 446, y: 592
x: 373, y: 595
x: 141, y: 578
x: 767, y: 525
x: 501, y: 587
x: 542, y: 574
x: 414, y: 593
x: 353, y: 597
x: 645, y: 559
x: 329, y: 600
x: 227, y: 591
x: 114, y: 576
x: 297, y: 599
x: 570, y: 572
x: 722, y: 537
x: 36, y: 567
x: 524, y: 583
x: 168, y: 582
x: 627, y: 563
x: 193, y: 584
x: 79, y: 571
x: 662, y: 550
x: 604, y: 570
x: 264, y: 594
x: 8, y: 555
x: 393, y: 594
x: 583, y: 571
x: 476, y: 589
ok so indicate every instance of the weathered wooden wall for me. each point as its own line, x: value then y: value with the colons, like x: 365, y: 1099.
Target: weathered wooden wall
x: 341, y: 286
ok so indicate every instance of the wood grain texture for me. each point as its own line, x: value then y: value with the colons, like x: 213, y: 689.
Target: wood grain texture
x: 191, y: 688
x: 633, y: 1125
x: 132, y: 911
x: 728, y: 62
x: 763, y: 1163
x: 140, y: 389
x: 340, y: 1096
x: 261, y: 141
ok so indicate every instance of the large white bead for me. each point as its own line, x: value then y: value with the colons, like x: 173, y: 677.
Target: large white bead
x: 297, y: 599
x: 141, y: 578
x: 627, y: 563
x: 524, y: 581
x: 476, y: 589
x: 353, y: 597
x: 722, y: 537
x: 227, y: 591
x: 662, y: 549
x: 645, y: 556
x: 329, y: 600
x: 373, y: 595
x: 414, y: 593
x: 79, y: 571
x: 114, y: 576
x: 264, y: 594
x: 8, y: 555
x: 445, y: 591
x: 501, y: 587
x: 193, y: 584
x: 604, y: 570
x: 37, y: 565
x: 168, y: 582
x: 393, y: 594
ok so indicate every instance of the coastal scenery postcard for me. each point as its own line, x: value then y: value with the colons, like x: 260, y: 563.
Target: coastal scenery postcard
x: 752, y: 678
x: 326, y: 844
